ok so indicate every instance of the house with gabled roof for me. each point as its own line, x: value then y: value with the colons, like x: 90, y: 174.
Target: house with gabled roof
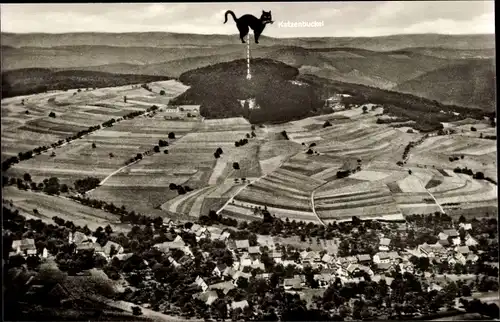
x: 201, y: 233
x: 225, y: 287
x: 456, y: 241
x: 347, y: 260
x: 328, y: 259
x: 463, y: 249
x: 225, y: 236
x: 201, y: 283
x: 324, y: 279
x: 228, y: 272
x: 292, y: 283
x: 254, y: 250
x: 470, y: 241
x: 242, y: 244
x: 245, y: 260
x: 266, y: 241
x: 451, y: 233
x: 219, y: 269
x: 381, y: 257
x: 444, y: 242
x: 257, y: 264
x: 206, y: 297
x: 112, y: 245
x: 442, y: 236
x: 472, y: 257
x: 239, y: 305
x: 165, y: 247
x: 172, y: 261
x: 276, y: 256
x: 383, y: 266
x: 24, y: 246
x: 214, y: 231
x: 352, y: 268
x: 366, y: 269
x: 364, y: 258
x: 77, y: 238
x: 384, y: 244
x: 195, y: 228
x: 88, y: 245
x: 239, y: 274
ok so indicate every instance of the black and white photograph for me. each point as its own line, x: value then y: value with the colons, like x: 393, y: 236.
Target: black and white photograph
x: 249, y: 161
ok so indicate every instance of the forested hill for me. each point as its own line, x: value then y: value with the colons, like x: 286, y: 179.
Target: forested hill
x: 219, y: 87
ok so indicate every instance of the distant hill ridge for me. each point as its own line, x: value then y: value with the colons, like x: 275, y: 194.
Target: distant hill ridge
x: 158, y: 39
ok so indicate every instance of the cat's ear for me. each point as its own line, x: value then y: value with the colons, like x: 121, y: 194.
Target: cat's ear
x: 269, y: 11
x: 263, y: 11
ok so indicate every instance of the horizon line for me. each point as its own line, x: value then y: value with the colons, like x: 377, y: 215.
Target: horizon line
x: 187, y: 33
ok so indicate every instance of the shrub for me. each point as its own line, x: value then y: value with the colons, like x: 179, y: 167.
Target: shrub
x: 136, y: 310
x: 236, y: 166
x: 52, y: 114
x: 327, y: 124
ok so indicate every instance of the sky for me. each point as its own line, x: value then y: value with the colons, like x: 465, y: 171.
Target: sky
x: 339, y: 19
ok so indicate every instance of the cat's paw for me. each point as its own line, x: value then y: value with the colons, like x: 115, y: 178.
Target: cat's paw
x: 256, y: 42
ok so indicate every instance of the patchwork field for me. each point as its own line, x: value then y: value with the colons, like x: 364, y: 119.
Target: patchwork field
x: 290, y: 168
x: 49, y: 206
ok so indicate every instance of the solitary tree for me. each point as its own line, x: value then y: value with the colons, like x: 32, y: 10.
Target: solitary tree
x: 236, y: 166
x: 124, y: 99
x: 162, y: 92
x: 52, y: 114
x: 365, y: 109
x: 136, y: 310
x: 171, y: 135
x: 27, y: 177
x: 93, y: 145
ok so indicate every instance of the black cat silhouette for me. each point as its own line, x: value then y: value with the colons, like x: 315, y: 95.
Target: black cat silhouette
x: 250, y: 21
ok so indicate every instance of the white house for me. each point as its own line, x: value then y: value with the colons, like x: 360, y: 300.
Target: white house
x: 219, y: 270
x: 381, y: 257
x: 200, y: 282
x: 245, y: 260
x: 242, y: 244
x: 460, y: 258
x: 327, y: 259
x: 173, y: 261
x: 239, y: 305
x: 470, y: 241
x: 110, y: 245
x: 442, y: 236
x: 384, y: 244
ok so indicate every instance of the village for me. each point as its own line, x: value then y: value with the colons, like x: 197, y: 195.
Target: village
x: 448, y: 257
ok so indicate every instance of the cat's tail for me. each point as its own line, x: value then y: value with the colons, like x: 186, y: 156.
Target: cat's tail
x: 232, y: 14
